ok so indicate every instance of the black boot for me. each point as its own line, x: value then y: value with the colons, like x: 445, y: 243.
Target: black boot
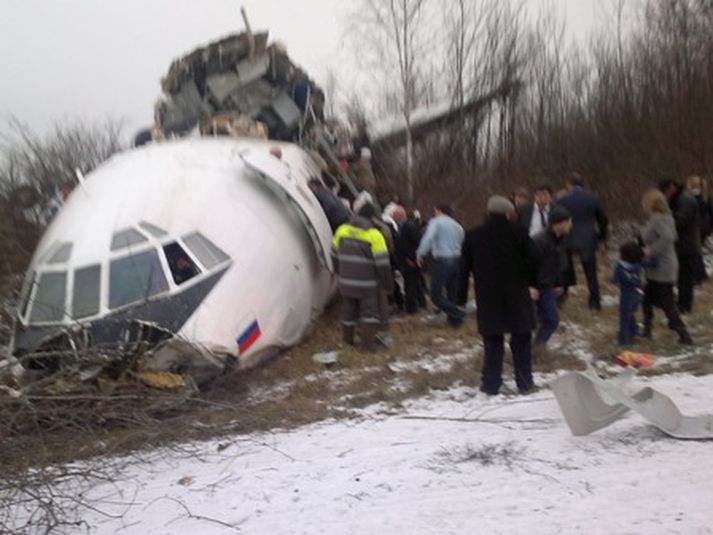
x: 683, y: 337
x: 648, y: 322
x: 368, y: 333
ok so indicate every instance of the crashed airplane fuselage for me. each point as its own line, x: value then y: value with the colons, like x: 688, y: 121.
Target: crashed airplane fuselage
x: 213, y: 243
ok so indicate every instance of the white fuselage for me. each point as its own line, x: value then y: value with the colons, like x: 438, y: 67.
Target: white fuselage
x: 255, y: 208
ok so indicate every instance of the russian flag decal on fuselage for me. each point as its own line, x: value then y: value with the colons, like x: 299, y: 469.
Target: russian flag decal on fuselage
x: 249, y: 336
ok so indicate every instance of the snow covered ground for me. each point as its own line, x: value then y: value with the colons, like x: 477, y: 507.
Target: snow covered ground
x: 452, y: 462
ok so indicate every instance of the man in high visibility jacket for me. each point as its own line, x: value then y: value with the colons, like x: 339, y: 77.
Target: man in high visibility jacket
x: 361, y: 260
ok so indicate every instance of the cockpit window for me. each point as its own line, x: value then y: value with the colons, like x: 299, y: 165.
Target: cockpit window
x: 48, y: 304
x: 61, y: 254
x: 182, y: 267
x: 126, y: 238
x: 205, y: 250
x: 155, y: 231
x: 85, y: 298
x: 134, y: 278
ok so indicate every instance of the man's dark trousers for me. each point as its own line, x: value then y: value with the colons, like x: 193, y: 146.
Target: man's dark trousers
x: 548, y: 315
x: 686, y: 281
x: 444, y: 276
x: 521, y: 347
x: 589, y: 265
x: 413, y: 289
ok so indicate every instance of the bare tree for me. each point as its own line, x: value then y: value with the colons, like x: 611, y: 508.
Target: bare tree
x: 393, y: 33
x: 31, y: 169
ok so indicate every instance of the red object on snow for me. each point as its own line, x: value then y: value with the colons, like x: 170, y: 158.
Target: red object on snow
x: 635, y: 360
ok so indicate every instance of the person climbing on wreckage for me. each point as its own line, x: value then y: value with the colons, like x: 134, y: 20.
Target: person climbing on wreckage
x: 362, y: 263
x: 337, y: 214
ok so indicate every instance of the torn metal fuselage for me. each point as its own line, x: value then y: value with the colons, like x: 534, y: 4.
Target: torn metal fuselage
x: 200, y: 253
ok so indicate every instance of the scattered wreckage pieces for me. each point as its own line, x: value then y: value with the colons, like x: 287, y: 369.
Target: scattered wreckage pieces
x: 589, y: 403
x: 233, y: 124
x: 243, y: 76
x: 162, y: 380
x: 69, y: 363
x: 211, y: 59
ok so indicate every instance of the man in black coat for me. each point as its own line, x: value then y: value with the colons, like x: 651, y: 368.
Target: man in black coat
x: 589, y: 227
x: 503, y: 261
x: 688, y: 246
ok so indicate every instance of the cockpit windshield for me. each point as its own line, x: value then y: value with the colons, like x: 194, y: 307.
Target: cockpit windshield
x: 134, y: 278
x: 86, y: 296
x: 126, y: 238
x: 48, y: 303
x: 205, y: 250
x: 53, y: 296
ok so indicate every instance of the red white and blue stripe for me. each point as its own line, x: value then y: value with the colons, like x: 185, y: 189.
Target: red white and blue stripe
x: 249, y: 337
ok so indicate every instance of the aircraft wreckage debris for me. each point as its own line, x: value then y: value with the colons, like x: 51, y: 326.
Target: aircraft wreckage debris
x: 238, y: 86
x: 589, y: 403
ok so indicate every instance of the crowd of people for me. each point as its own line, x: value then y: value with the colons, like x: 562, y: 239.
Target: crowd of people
x: 521, y: 260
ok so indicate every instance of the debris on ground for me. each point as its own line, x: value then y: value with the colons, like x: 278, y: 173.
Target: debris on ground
x: 634, y: 359
x: 328, y: 358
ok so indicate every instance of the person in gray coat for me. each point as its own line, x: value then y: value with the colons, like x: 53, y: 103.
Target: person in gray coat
x: 659, y: 237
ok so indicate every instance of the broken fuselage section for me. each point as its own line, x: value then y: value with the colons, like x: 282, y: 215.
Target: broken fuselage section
x: 203, y: 251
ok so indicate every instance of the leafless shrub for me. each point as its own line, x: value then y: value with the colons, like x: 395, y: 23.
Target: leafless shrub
x: 506, y: 454
x: 32, y: 168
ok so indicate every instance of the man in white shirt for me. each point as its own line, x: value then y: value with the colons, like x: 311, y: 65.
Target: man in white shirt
x: 443, y: 240
x: 534, y: 217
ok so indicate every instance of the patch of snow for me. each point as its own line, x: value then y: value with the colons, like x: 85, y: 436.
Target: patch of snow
x: 439, y: 363
x: 610, y: 301
x: 455, y: 461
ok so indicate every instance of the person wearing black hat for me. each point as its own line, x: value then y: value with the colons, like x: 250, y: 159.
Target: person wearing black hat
x: 503, y: 261
x: 550, y: 276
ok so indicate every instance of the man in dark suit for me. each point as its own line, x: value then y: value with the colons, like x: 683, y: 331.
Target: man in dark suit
x: 589, y: 227
x: 503, y: 261
x: 534, y: 217
x: 405, y: 246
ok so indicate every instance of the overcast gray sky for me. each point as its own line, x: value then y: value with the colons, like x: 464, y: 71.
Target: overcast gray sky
x: 92, y: 59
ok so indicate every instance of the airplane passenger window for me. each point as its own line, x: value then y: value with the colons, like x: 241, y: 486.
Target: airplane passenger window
x: 205, y: 250
x: 182, y: 267
x: 61, y: 254
x: 134, y: 278
x: 48, y: 304
x: 85, y: 298
x: 126, y: 238
x: 155, y: 231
